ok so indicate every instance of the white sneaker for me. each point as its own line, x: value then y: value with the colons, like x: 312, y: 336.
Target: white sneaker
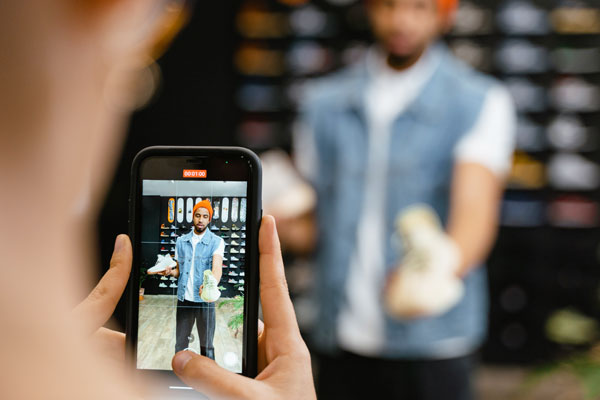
x: 425, y: 282
x: 567, y: 132
x: 522, y: 18
x: 575, y: 95
x: 474, y: 54
x: 472, y: 19
x: 173, y: 285
x: 571, y: 171
x: 516, y: 56
x: 162, y: 285
x: 162, y: 263
x: 210, y: 292
x: 232, y: 273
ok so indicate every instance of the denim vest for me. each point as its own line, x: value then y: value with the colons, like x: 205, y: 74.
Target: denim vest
x: 202, y: 261
x: 420, y: 166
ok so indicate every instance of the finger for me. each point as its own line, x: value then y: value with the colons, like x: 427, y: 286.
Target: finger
x: 261, y: 361
x: 261, y: 328
x: 204, y: 375
x: 278, y: 311
x: 98, y: 307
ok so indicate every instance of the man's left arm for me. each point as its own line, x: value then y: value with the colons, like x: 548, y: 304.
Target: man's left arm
x: 217, y: 266
x: 482, y: 161
x: 217, y: 261
x: 474, y: 208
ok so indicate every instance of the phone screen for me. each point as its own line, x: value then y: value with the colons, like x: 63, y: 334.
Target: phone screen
x: 193, y: 244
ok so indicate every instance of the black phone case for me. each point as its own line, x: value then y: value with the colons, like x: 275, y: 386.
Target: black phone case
x: 249, y: 360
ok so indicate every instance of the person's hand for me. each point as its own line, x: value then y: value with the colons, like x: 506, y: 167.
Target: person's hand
x: 98, y: 307
x: 283, y: 359
x: 167, y: 272
x: 200, y: 291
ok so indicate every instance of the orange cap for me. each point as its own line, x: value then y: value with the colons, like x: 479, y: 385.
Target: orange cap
x: 447, y: 7
x: 204, y: 204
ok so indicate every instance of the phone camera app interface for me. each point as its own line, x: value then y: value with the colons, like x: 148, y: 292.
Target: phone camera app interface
x: 192, y: 271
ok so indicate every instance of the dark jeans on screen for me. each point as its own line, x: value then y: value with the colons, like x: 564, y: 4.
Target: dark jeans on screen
x: 203, y: 314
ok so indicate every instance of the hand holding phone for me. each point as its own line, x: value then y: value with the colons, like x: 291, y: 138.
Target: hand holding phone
x: 279, y: 338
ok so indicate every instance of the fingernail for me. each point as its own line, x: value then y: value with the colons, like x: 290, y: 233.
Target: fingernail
x: 119, y: 242
x: 180, y: 361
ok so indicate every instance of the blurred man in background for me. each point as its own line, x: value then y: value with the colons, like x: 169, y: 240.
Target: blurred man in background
x: 407, y: 151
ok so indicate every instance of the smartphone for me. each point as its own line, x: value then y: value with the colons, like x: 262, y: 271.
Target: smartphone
x: 194, y: 219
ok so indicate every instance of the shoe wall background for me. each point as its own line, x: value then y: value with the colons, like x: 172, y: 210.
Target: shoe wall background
x: 234, y: 75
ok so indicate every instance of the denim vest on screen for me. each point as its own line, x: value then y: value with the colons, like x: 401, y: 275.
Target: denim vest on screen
x: 201, y: 262
x: 420, y: 166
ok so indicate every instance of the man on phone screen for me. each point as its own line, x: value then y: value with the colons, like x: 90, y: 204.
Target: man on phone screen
x: 195, y: 252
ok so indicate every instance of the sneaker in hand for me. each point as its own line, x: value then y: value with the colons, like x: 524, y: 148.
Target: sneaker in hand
x: 162, y: 263
x: 210, y: 292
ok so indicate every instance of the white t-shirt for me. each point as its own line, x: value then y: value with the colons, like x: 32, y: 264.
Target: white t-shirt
x: 489, y: 143
x: 189, y: 289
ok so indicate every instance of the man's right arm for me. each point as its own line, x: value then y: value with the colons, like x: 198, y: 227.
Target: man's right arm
x: 298, y: 234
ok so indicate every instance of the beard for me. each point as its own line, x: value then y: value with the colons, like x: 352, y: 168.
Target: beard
x: 198, y: 230
x: 403, y: 61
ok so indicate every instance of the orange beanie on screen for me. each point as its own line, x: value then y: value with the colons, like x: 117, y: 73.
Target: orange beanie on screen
x: 204, y: 204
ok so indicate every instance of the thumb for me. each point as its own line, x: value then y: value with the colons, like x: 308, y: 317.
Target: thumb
x: 205, y: 376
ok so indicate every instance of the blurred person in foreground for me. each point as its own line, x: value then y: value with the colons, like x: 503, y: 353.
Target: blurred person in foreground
x: 66, y: 74
x: 407, y: 151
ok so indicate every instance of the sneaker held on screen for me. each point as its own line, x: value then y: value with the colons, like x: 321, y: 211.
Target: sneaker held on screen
x: 210, y: 292
x: 162, y: 263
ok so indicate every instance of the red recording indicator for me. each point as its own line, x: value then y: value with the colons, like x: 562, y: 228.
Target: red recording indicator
x: 194, y: 173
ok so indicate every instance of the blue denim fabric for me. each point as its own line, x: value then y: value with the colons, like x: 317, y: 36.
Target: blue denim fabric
x: 420, y: 167
x: 201, y: 262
